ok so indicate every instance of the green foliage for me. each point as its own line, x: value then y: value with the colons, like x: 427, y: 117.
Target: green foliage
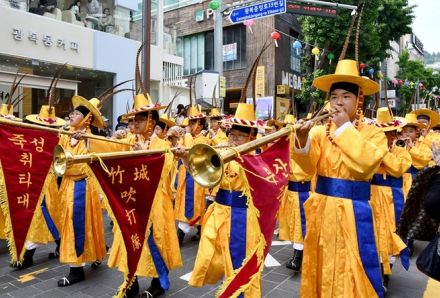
x: 382, y: 21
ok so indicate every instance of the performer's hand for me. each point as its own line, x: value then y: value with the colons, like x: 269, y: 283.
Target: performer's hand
x: 119, y: 134
x: 340, y: 117
x: 436, y: 152
x: 180, y: 152
x: 79, y: 135
x: 303, y: 132
x: 137, y: 146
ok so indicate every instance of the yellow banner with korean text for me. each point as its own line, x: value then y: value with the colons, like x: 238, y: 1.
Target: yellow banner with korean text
x: 26, y: 158
x: 130, y: 185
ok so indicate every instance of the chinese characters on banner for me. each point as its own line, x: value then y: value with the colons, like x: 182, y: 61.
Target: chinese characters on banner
x: 130, y: 186
x: 273, y: 164
x: 26, y: 157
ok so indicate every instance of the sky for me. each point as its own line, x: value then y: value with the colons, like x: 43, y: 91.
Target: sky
x: 425, y: 23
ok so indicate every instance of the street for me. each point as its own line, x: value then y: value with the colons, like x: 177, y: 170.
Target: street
x: 278, y: 281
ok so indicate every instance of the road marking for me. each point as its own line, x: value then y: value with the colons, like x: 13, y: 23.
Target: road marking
x: 30, y: 276
x: 270, y: 261
x: 277, y: 243
x: 432, y: 289
x: 186, y: 276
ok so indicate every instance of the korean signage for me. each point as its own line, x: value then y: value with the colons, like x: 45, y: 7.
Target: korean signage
x: 418, y: 45
x: 260, y: 81
x: 311, y: 10
x: 30, y: 36
x: 222, y: 84
x: 230, y: 52
x: 257, y: 10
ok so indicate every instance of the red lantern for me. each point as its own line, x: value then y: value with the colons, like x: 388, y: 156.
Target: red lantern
x: 400, y: 82
x: 275, y: 36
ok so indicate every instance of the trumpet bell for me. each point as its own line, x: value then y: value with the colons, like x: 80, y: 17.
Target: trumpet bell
x: 205, y: 165
x: 60, y: 160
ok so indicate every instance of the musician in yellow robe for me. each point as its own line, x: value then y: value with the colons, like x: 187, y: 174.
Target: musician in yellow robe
x: 216, y: 134
x: 163, y: 235
x: 82, y: 230
x: 428, y: 118
x: 291, y: 217
x: 340, y: 253
x: 190, y: 197
x: 387, y: 199
x: 230, y: 226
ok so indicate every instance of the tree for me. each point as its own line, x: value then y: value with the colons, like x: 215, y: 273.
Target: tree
x: 382, y: 21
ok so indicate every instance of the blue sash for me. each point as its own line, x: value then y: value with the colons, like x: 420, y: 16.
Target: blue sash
x: 237, y: 242
x: 359, y: 193
x: 189, y: 196
x: 413, y: 171
x: 49, y: 221
x: 159, y: 264
x: 396, y: 185
x: 303, y: 189
x: 79, y: 215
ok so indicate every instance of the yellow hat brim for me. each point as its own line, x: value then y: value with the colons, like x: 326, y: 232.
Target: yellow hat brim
x: 33, y: 118
x: 168, y: 122
x: 325, y: 82
x: 9, y: 118
x: 433, y: 116
x: 146, y: 109
x: 98, y: 121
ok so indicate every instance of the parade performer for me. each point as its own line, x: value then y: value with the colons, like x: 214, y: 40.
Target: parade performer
x: 387, y: 199
x: 46, y: 220
x: 162, y: 252
x: 190, y: 197
x: 340, y: 253
x: 429, y: 118
x: 292, y: 222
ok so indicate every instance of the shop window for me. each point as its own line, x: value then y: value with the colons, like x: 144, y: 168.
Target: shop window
x: 192, y: 48
x: 295, y: 58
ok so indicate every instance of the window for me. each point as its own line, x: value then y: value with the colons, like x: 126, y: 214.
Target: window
x: 295, y: 58
x: 192, y: 48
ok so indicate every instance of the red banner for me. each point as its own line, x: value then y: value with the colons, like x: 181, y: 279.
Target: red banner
x: 273, y: 165
x: 130, y: 186
x: 26, y: 157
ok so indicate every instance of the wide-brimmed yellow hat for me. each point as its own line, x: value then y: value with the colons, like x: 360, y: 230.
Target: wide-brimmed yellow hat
x: 168, y: 122
x: 194, y: 113
x: 184, y: 123
x: 433, y: 116
x: 215, y: 113
x: 385, y: 120
x: 411, y: 120
x: 244, y: 116
x: 144, y: 104
x: 289, y: 119
x: 8, y: 113
x: 46, y: 117
x: 93, y: 105
x: 347, y: 72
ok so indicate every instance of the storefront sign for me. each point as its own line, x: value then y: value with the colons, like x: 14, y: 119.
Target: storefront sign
x: 260, y: 81
x: 200, y: 15
x: 283, y: 89
x: 47, y: 40
x: 222, y: 86
x: 292, y: 80
x: 230, y: 52
x: 311, y: 10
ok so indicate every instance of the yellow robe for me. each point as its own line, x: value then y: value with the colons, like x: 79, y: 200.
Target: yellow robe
x: 395, y: 164
x: 332, y: 265
x: 220, y: 137
x: 213, y: 260
x: 162, y: 220
x: 421, y: 155
x: 199, y: 191
x: 94, y: 243
x: 289, y: 215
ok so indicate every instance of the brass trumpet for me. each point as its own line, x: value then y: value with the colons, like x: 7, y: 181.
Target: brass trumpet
x: 60, y: 131
x: 62, y: 159
x: 205, y: 164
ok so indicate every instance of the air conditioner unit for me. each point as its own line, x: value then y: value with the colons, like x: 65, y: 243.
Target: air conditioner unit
x: 205, y: 83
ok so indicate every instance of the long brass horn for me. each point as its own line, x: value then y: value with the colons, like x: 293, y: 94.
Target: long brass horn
x: 205, y: 163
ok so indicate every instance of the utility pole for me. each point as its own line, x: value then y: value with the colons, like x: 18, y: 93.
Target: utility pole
x: 146, y: 28
x: 218, y: 40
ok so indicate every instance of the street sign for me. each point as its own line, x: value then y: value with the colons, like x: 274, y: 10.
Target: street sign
x: 257, y: 10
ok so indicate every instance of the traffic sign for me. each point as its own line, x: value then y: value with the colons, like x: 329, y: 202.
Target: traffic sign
x: 257, y: 10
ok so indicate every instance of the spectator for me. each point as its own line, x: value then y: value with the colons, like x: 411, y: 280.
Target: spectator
x: 74, y: 8
x: 106, y: 22
x: 93, y: 7
x: 44, y: 6
x: 432, y: 198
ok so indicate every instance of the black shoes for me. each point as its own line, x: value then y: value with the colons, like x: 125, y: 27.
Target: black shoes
x: 295, y: 262
x: 133, y: 291
x: 197, y: 236
x: 155, y: 290
x: 95, y: 264
x: 76, y: 274
x: 181, y: 236
x: 410, y: 246
x: 28, y: 260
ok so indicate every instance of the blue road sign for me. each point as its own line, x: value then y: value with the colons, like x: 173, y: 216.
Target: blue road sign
x: 257, y: 11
